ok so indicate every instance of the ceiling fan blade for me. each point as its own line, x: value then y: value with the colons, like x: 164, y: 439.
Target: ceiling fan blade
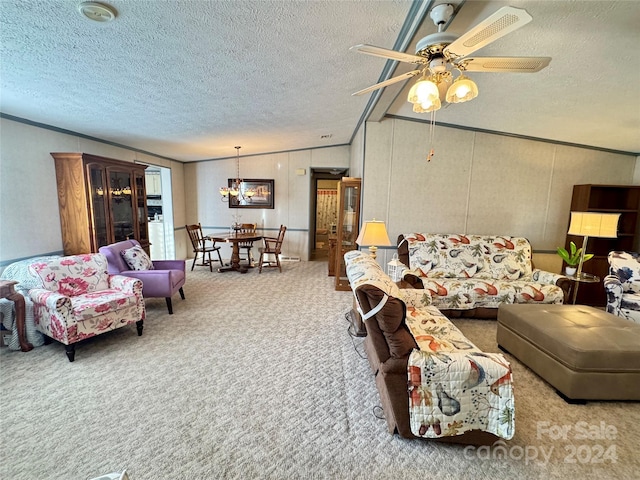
x: 504, y: 21
x: 504, y: 64
x: 391, y: 81
x: 386, y: 53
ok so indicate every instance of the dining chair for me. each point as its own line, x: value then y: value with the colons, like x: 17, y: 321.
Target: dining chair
x: 248, y: 245
x: 199, y: 244
x: 272, y: 246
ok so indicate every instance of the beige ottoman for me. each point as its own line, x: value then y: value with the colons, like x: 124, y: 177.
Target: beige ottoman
x: 585, y: 353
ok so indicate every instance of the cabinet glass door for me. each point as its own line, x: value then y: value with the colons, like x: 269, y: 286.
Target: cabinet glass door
x: 121, y: 195
x: 98, y: 196
x: 347, y: 229
x: 141, y: 211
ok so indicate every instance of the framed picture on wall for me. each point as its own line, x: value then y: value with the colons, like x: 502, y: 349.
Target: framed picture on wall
x: 253, y: 194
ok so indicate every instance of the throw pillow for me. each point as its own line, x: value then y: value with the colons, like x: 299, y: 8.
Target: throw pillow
x: 137, y: 258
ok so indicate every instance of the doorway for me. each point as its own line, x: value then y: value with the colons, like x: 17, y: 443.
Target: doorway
x: 160, y: 211
x: 324, y: 210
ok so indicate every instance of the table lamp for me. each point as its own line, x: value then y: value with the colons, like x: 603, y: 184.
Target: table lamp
x: 373, y: 235
x: 592, y: 224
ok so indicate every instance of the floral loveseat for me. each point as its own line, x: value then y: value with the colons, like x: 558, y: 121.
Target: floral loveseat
x: 433, y: 382
x: 622, y: 285
x: 471, y: 275
x: 79, y: 299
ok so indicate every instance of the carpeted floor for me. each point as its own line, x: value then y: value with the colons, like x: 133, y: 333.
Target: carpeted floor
x: 255, y: 376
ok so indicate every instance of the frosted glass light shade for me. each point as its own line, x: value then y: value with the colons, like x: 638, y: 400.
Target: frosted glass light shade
x: 423, y: 91
x: 463, y: 89
x: 427, y: 106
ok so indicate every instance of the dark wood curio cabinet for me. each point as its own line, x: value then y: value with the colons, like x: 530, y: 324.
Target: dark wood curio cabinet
x: 101, y: 201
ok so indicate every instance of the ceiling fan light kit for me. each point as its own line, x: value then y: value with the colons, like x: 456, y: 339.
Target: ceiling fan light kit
x: 440, y: 53
x: 462, y: 90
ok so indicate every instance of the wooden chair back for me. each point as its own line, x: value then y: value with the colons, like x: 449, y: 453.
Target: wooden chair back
x: 196, y: 236
x: 280, y: 239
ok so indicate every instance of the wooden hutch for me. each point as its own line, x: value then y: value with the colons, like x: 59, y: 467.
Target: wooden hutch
x: 101, y: 201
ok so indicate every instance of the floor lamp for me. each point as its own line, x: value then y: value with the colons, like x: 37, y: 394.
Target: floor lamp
x: 592, y: 224
x: 373, y: 235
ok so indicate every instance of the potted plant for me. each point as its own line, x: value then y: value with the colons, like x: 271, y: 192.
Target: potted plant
x: 572, y: 257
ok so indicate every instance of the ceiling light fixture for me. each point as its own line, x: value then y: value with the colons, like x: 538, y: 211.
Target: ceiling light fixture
x: 98, y: 12
x: 237, y: 188
x: 463, y: 89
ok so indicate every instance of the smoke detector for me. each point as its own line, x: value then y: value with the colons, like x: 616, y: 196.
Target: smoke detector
x: 98, y: 12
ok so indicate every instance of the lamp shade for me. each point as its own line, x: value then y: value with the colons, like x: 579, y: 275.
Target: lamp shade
x: 593, y: 224
x: 373, y: 233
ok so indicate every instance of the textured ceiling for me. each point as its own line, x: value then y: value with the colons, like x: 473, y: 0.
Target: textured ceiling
x: 192, y: 79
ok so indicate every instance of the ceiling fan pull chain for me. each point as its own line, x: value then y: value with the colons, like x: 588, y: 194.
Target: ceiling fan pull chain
x: 432, y: 129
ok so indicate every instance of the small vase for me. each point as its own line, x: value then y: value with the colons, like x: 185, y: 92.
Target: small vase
x: 570, y: 271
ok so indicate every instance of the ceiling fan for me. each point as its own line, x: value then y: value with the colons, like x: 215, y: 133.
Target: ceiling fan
x: 440, y: 53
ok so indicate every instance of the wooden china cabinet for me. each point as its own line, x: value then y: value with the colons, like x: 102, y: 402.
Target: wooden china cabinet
x: 622, y: 199
x: 349, y: 190
x: 101, y: 201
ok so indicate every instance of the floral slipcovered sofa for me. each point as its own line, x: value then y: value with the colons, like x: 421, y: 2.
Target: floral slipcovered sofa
x: 80, y: 299
x: 622, y: 285
x: 433, y: 382
x: 471, y: 275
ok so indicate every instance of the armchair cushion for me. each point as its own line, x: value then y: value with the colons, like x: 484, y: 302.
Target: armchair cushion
x: 72, y: 276
x: 137, y: 259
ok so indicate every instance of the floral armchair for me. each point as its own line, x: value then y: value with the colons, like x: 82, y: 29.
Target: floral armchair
x: 79, y: 299
x: 622, y: 285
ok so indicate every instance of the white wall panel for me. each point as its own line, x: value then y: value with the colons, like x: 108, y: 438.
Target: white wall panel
x: 379, y: 148
x: 509, y: 186
x: 439, y: 188
x: 478, y: 182
x: 29, y: 216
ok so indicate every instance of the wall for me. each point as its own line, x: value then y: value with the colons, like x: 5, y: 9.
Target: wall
x: 29, y: 218
x: 292, y: 193
x: 478, y: 183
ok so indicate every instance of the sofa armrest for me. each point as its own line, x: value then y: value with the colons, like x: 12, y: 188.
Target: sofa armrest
x: 548, y: 278
x: 613, y: 288
x: 412, y: 277
x: 127, y: 284
x: 168, y: 265
x: 416, y: 297
x: 53, y: 301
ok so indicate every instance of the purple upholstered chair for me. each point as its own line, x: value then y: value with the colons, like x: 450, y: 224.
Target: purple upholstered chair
x: 165, y: 279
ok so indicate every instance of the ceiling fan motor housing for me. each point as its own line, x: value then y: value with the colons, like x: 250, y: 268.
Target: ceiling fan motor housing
x: 441, y: 14
x: 434, y: 44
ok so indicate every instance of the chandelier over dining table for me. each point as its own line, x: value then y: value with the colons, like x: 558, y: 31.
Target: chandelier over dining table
x: 237, y: 187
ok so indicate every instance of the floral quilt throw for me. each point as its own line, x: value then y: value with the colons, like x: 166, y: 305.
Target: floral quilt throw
x: 453, y: 386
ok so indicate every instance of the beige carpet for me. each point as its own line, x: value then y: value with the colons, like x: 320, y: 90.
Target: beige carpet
x: 254, y: 376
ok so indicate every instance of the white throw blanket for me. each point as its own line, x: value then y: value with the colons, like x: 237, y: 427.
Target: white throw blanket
x: 19, y: 271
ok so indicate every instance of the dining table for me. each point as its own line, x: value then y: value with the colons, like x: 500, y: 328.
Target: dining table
x: 235, y: 239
